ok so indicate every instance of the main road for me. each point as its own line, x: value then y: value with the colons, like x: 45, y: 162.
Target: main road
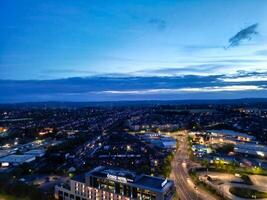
x: 186, y: 189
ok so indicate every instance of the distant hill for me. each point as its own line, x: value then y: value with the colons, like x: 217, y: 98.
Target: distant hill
x: 137, y: 103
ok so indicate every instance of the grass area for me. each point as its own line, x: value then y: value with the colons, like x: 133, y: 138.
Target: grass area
x: 204, y: 186
x: 167, y: 168
x: 9, y: 197
x: 247, y: 193
x: 210, y: 190
x: 233, y: 169
x: 246, y: 179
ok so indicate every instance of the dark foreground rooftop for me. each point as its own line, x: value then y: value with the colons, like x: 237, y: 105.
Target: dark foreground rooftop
x: 128, y: 177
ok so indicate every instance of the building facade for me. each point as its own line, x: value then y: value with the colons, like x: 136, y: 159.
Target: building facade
x: 113, y: 183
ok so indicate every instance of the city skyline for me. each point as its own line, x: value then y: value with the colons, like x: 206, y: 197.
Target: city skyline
x: 212, y: 49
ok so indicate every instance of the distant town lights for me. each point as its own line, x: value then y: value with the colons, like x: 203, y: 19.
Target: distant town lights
x: 6, y: 146
x: 5, y: 164
x: 128, y: 147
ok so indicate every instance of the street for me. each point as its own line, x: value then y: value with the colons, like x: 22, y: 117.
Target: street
x: 185, y: 188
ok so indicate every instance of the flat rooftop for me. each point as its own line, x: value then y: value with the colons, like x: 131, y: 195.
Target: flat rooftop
x: 254, y: 147
x: 104, y: 172
x: 4, y: 153
x: 231, y: 133
x: 152, y: 182
x: 17, y: 158
x: 131, y: 178
x: 79, y: 178
x: 36, y: 152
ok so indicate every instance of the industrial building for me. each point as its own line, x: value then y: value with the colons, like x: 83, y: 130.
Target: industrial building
x: 36, y: 152
x: 16, y: 160
x: 160, y: 140
x: 232, y: 134
x: 251, y: 149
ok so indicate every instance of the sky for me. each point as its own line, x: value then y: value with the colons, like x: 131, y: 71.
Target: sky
x: 95, y: 50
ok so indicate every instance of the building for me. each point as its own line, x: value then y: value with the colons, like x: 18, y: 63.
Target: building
x: 201, y: 150
x: 3, y: 132
x: 251, y: 149
x: 114, y: 183
x: 36, y: 152
x: 16, y: 160
x: 6, y: 152
x: 160, y: 140
x: 232, y: 134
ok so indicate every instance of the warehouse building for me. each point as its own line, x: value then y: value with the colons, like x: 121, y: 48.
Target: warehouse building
x: 14, y: 160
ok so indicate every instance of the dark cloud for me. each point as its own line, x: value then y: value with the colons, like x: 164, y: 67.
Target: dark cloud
x: 244, y: 34
x: 161, y: 24
x: 130, y: 88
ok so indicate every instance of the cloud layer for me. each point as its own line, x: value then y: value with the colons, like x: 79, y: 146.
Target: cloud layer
x: 244, y: 34
x: 231, y: 88
x: 240, y: 85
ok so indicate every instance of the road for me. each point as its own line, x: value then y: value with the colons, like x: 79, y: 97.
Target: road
x: 186, y: 189
x: 222, y: 182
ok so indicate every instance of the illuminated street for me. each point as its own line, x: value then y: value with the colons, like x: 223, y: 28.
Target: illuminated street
x: 181, y: 163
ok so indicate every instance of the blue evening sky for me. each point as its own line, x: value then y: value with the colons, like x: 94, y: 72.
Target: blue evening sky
x: 47, y: 40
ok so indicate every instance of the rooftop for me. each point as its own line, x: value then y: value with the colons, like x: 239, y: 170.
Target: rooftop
x: 79, y: 178
x: 152, y: 182
x: 255, y: 147
x: 36, y: 152
x: 109, y: 172
x: 17, y: 158
x: 128, y: 177
x: 231, y: 133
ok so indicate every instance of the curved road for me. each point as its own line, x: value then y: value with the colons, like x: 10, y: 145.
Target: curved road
x: 186, y: 189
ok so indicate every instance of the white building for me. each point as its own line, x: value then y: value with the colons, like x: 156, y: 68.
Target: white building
x: 116, y: 184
